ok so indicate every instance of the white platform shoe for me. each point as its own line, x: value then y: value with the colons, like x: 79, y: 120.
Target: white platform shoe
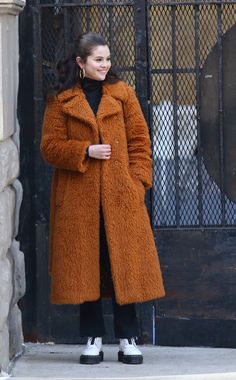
x: 92, y: 354
x: 129, y: 352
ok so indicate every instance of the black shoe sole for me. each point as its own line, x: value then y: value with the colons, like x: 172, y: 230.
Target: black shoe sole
x: 130, y: 359
x: 92, y: 359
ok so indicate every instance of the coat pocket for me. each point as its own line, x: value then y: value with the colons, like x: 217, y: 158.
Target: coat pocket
x: 139, y: 188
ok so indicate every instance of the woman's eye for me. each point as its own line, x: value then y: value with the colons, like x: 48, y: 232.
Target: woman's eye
x: 100, y: 59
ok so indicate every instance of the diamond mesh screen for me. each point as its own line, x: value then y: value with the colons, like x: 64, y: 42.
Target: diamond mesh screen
x: 181, y: 37
x: 61, y: 24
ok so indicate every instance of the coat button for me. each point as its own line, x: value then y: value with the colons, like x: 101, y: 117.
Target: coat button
x: 116, y: 141
x: 116, y: 162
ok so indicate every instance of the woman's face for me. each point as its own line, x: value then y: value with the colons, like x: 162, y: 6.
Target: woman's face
x: 97, y: 64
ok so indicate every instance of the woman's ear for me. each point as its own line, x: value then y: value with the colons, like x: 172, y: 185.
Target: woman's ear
x: 79, y: 62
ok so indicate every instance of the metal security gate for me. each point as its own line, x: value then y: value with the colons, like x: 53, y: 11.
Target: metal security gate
x: 192, y: 118
x: 178, y: 56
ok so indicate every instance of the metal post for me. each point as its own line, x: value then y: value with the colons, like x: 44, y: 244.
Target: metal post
x: 175, y: 116
x: 198, y: 97
x: 221, y: 109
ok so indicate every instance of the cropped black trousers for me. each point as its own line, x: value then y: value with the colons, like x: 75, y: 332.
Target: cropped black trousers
x: 91, y: 313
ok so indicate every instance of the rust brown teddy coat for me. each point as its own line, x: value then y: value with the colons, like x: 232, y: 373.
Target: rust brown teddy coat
x: 80, y: 185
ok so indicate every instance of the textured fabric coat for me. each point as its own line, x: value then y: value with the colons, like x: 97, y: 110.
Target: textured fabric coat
x: 80, y: 186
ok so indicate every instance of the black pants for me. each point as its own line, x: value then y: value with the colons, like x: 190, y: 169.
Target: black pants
x: 92, y: 322
x: 91, y: 313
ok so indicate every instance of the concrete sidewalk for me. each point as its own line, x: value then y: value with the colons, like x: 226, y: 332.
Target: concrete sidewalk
x: 50, y: 361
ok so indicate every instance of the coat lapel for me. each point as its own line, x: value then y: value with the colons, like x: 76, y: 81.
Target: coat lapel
x: 109, y: 105
x: 76, y: 105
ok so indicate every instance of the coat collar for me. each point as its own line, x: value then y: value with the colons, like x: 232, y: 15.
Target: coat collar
x: 76, y: 105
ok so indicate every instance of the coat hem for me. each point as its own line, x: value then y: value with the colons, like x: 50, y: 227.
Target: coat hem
x: 120, y: 302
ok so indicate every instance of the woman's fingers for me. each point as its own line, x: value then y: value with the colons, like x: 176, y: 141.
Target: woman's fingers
x: 106, y: 152
x: 100, y: 151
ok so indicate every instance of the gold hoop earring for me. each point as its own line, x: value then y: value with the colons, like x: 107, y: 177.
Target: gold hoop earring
x: 82, y: 73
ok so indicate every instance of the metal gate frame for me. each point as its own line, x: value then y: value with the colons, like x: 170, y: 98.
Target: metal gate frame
x: 161, y: 323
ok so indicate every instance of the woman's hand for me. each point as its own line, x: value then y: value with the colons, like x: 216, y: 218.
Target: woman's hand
x: 100, y: 151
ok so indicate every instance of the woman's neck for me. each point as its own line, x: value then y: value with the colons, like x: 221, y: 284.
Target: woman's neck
x: 91, y: 83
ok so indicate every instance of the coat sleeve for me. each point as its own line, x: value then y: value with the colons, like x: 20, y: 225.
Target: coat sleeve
x: 138, y: 140
x: 56, y: 148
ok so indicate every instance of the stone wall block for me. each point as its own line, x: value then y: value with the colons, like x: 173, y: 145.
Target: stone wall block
x: 12, y: 284
x: 19, y: 284
x: 16, y: 135
x: 7, y: 211
x: 3, y: 252
x: 19, y: 195
x: 6, y: 289
x: 8, y: 76
x: 4, y: 348
x: 9, y: 163
x: 15, y: 332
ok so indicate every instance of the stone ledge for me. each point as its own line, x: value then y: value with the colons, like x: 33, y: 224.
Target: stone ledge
x: 13, y: 7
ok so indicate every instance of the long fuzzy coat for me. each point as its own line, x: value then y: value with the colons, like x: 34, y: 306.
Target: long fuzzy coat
x: 80, y: 186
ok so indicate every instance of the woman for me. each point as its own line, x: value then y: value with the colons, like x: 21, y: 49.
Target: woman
x: 101, y: 242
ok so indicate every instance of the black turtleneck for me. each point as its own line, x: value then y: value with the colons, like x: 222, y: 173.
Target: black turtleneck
x: 93, y: 92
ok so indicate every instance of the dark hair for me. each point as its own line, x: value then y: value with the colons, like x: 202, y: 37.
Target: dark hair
x: 68, y: 70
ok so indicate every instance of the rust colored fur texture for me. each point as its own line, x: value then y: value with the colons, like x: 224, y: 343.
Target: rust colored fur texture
x: 80, y: 185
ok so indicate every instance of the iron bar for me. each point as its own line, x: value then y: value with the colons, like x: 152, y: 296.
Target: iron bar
x: 175, y: 116
x: 199, y: 153
x: 37, y: 54
x: 111, y: 26
x: 130, y: 4
x: 87, y: 10
x: 178, y: 70
x: 221, y: 111
x: 190, y: 3
x: 141, y: 68
x: 193, y: 228
x: 150, y: 101
x: 84, y: 5
x: 67, y: 31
